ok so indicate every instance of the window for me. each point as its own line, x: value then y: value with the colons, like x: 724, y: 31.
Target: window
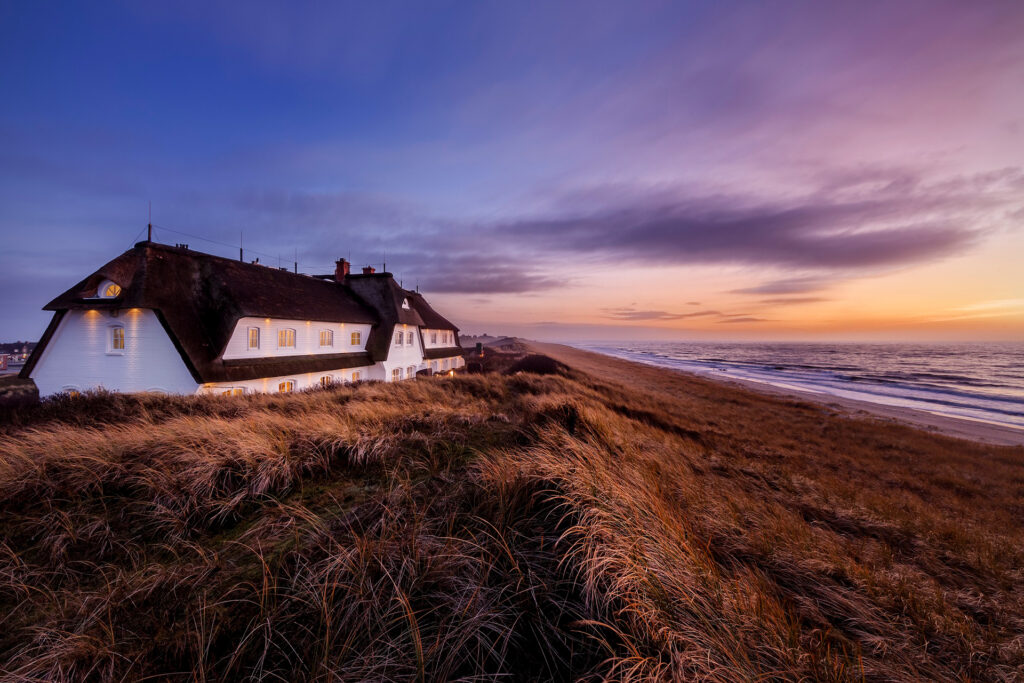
x: 396, y: 374
x: 445, y: 364
x: 433, y: 337
x: 116, y: 344
x: 108, y: 290
x: 356, y: 338
x: 326, y: 381
x: 405, y: 304
x: 326, y: 338
x: 285, y: 339
x: 398, y: 338
x: 409, y: 339
x: 254, y: 337
x: 355, y: 376
x: 433, y: 365
x: 233, y: 391
x: 287, y: 386
x: 410, y: 371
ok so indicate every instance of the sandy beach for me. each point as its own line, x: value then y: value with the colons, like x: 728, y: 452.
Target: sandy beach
x: 611, y: 368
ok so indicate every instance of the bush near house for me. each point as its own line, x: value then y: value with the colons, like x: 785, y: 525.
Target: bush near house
x: 556, y: 526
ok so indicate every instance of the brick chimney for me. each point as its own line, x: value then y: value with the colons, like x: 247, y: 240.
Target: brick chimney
x: 369, y: 270
x: 341, y: 267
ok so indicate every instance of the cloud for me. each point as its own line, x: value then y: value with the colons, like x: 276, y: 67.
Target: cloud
x: 744, y: 319
x: 785, y: 301
x: 631, y: 314
x: 794, y: 285
x: 486, y: 277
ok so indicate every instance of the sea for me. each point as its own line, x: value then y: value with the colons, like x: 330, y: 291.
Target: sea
x: 978, y: 381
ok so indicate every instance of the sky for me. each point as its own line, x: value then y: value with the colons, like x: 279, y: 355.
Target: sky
x: 565, y: 171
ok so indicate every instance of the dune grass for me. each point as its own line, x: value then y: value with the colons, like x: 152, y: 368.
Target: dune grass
x: 537, y: 527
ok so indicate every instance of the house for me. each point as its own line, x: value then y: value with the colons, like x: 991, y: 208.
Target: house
x: 173, y: 320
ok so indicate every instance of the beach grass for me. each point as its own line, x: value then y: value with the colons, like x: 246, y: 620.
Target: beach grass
x: 566, y: 525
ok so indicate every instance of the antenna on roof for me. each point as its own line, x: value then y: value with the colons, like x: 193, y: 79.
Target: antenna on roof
x: 385, y: 264
x: 296, y: 260
x: 241, y: 256
x: 149, y: 226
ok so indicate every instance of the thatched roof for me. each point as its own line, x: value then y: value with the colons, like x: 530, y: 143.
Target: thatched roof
x: 199, y: 298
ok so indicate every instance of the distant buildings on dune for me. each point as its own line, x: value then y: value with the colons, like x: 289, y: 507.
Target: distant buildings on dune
x: 173, y: 320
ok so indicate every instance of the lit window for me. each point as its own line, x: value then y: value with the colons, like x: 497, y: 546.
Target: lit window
x: 254, y: 337
x: 356, y: 338
x: 398, y: 338
x: 409, y: 339
x: 233, y: 391
x: 396, y: 374
x: 286, y: 387
x: 326, y: 338
x: 285, y: 339
x: 355, y: 376
x: 326, y: 381
x: 116, y: 339
x: 410, y: 372
x: 112, y: 290
x: 433, y: 337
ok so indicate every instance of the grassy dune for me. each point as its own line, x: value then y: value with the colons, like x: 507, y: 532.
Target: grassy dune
x: 555, y: 526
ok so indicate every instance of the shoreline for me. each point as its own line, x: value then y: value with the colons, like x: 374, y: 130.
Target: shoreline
x: 961, y: 428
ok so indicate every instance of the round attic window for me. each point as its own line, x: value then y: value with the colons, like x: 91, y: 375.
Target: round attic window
x: 109, y: 290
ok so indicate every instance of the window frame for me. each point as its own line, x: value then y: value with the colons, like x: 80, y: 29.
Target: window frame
x: 433, y: 337
x: 285, y: 331
x: 399, y: 338
x: 356, y: 338
x: 329, y: 383
x: 112, y: 340
x: 396, y: 374
x: 249, y: 338
x: 330, y: 338
x: 289, y: 386
x: 410, y: 371
x: 356, y: 376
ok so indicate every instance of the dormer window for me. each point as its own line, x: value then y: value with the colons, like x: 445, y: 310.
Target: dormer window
x: 405, y: 304
x: 108, y: 290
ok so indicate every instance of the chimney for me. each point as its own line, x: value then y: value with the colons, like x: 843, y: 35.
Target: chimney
x: 369, y: 270
x: 341, y: 267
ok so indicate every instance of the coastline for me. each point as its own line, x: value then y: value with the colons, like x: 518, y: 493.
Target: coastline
x: 971, y: 430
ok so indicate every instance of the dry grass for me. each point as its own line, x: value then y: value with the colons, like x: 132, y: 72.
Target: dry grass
x: 536, y: 527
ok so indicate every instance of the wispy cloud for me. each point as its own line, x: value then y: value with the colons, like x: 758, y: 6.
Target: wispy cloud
x: 787, y: 301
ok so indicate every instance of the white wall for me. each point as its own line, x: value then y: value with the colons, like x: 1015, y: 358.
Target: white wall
x: 304, y: 380
x: 78, y: 356
x: 307, y: 338
x: 440, y: 343
x: 441, y: 365
x: 409, y: 354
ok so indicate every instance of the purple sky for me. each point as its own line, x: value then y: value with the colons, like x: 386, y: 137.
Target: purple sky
x: 620, y: 169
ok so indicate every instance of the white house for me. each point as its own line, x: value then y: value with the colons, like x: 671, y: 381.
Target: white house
x: 173, y: 320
